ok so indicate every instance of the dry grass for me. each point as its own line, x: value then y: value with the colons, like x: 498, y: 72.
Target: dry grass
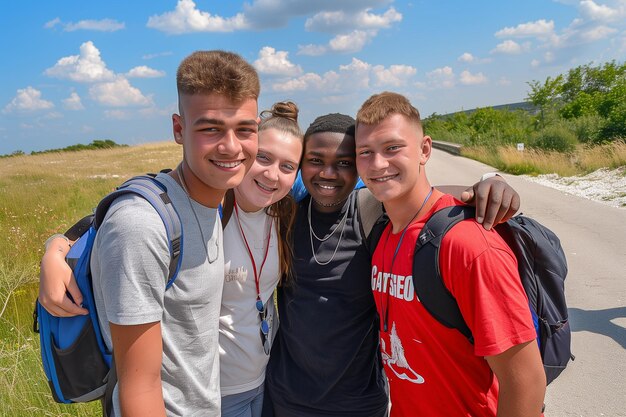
x: 582, y: 161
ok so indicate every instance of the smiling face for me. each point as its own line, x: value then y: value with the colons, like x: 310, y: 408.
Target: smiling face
x: 219, y: 139
x: 328, y: 169
x: 273, y: 172
x: 390, y: 159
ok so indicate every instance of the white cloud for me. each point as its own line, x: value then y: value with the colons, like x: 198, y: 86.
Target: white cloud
x: 118, y: 93
x: 358, y: 71
x: 86, y: 67
x: 468, y: 78
x: 466, y: 57
x: 548, y: 57
x: 104, y: 25
x: 52, y: 23
x: 311, y: 50
x: 601, y: 12
x: 352, y: 77
x: 186, y: 18
x: 264, y: 14
x: 395, y: 75
x: 440, y: 78
x: 351, y: 42
x: 301, y: 83
x: 340, y: 20
x: 27, y: 99
x: 73, y: 102
x: 144, y: 71
x: 535, y: 63
x: 596, y: 33
x: 153, y: 111
x: 510, y: 47
x: 540, y: 29
x: 343, y: 43
x: 275, y: 62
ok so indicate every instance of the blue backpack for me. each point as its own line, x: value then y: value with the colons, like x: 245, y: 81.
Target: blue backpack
x: 542, y: 267
x: 75, y: 358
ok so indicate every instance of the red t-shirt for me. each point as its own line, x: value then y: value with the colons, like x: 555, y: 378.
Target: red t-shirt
x: 434, y: 370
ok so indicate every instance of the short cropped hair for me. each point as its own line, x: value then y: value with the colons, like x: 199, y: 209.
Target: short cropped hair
x: 333, y: 122
x: 379, y: 106
x: 218, y: 72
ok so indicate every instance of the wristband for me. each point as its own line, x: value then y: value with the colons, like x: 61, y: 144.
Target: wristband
x: 489, y: 175
x: 55, y: 236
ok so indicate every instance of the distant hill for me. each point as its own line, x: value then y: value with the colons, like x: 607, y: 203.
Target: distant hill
x: 522, y: 105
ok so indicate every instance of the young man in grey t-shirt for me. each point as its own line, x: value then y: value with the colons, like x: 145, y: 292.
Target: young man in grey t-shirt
x: 166, y: 342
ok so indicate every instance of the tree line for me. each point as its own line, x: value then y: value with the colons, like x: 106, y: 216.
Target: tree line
x: 586, y: 105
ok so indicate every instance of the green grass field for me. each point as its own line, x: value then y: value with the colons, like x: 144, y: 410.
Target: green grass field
x: 40, y: 195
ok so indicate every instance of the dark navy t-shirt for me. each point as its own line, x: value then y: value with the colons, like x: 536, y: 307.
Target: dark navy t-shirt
x: 325, y: 360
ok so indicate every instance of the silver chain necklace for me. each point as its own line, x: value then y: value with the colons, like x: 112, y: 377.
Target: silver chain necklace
x: 183, y: 184
x: 325, y: 238
x: 312, y: 233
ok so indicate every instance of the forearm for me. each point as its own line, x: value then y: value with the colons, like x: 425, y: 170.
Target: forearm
x: 141, y: 395
x: 138, y: 357
x: 523, y: 398
x: 521, y: 379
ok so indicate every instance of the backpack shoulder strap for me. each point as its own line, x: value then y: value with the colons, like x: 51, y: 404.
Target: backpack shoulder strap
x: 372, y: 218
x: 429, y: 286
x: 155, y: 193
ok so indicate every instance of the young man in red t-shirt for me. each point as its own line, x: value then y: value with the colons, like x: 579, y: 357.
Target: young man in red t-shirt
x: 434, y: 370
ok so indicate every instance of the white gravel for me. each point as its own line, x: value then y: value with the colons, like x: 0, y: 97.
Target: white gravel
x: 604, y: 185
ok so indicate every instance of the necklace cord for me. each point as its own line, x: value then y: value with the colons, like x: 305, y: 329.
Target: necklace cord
x: 395, y: 253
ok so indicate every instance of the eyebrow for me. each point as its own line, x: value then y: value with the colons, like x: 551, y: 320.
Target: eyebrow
x: 206, y: 121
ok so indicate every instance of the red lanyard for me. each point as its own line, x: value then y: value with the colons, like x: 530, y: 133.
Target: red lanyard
x: 257, y: 275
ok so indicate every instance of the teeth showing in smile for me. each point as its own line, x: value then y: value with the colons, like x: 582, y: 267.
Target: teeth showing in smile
x: 227, y: 164
x: 327, y: 187
x: 383, y: 179
x: 264, y: 187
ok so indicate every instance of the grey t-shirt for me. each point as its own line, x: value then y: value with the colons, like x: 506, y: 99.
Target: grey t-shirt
x: 130, y: 264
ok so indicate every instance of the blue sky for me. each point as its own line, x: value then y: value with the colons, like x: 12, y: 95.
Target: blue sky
x: 74, y: 71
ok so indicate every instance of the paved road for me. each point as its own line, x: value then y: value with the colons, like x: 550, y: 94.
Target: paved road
x: 593, y: 236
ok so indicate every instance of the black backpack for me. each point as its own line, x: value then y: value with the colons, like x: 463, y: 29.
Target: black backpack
x: 542, y: 268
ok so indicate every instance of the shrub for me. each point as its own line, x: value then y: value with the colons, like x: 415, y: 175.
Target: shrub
x: 554, y: 138
x: 587, y: 128
x: 615, y: 127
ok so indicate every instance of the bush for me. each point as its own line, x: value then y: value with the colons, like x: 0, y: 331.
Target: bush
x: 587, y: 128
x: 615, y: 127
x: 554, y: 138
